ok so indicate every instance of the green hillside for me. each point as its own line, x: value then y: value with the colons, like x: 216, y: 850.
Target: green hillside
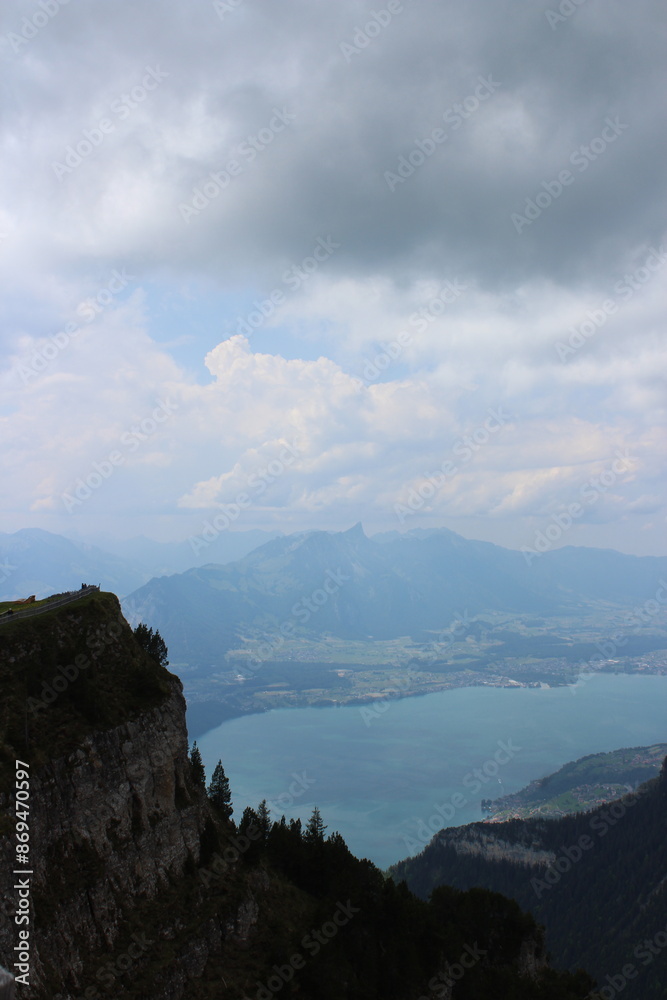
x: 581, y: 784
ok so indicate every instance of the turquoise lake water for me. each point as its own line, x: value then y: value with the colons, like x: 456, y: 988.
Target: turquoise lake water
x: 379, y: 784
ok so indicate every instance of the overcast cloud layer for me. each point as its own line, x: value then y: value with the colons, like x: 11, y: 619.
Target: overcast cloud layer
x: 299, y: 264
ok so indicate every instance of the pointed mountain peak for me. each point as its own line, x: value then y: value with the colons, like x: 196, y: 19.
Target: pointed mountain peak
x: 357, y: 531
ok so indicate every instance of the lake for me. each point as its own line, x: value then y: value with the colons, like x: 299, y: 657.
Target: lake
x: 379, y: 780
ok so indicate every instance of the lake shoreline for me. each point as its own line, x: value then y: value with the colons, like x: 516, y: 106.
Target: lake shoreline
x: 387, y: 783
x: 203, y: 716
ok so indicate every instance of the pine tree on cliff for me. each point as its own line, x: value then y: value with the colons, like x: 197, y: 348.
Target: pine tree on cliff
x: 315, y: 827
x: 197, y: 766
x: 219, y: 792
x: 264, y: 818
x: 153, y: 643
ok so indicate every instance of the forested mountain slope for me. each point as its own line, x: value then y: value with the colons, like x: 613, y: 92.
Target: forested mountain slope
x: 596, y: 880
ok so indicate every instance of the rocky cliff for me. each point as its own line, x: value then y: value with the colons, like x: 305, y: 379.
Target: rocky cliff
x: 115, y: 823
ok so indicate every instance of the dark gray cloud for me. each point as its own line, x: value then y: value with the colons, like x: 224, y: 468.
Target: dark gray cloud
x: 356, y: 115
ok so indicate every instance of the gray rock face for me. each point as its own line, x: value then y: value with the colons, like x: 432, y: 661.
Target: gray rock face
x: 7, y: 988
x: 533, y: 959
x: 115, y: 822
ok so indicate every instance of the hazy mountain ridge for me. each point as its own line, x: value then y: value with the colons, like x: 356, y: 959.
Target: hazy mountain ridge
x: 34, y: 561
x: 383, y: 587
x: 41, y: 563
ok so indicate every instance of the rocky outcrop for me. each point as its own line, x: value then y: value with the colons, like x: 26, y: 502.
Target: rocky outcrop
x: 7, y: 985
x: 112, y: 822
x: 116, y: 828
x: 532, y: 957
x: 474, y: 840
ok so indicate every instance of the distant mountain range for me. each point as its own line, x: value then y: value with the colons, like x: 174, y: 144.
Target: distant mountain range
x: 41, y: 563
x: 33, y: 561
x: 354, y: 587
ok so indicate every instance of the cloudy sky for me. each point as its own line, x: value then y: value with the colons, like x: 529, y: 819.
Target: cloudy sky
x: 295, y: 265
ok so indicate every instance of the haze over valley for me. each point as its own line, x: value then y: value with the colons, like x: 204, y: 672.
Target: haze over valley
x: 329, y: 618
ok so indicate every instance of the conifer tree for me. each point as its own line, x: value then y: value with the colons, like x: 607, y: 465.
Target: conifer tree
x: 219, y: 792
x: 264, y: 818
x: 315, y: 827
x: 295, y: 827
x: 248, y: 819
x: 197, y: 766
x: 153, y: 643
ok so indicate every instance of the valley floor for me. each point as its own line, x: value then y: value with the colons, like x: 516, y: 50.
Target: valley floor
x: 490, y: 650
x: 218, y: 697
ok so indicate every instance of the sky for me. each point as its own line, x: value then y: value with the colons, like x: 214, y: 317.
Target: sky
x: 297, y: 265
